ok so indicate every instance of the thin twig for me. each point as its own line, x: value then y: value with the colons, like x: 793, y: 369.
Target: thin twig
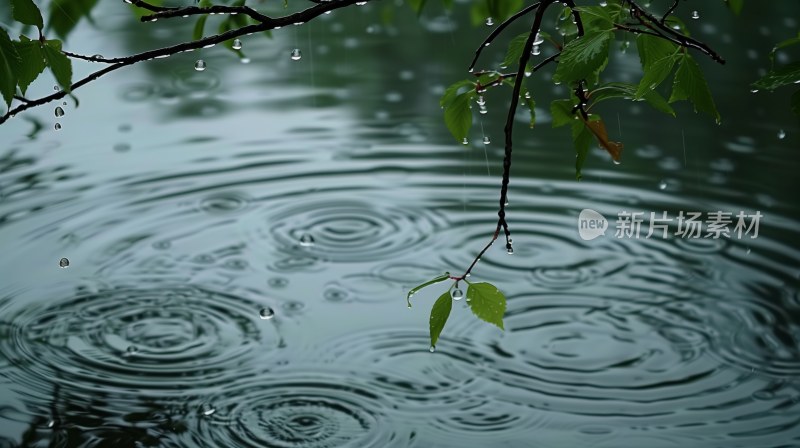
x: 216, y: 9
x: 498, y: 30
x: 669, y: 11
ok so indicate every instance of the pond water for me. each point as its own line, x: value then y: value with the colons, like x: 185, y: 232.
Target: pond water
x: 240, y: 241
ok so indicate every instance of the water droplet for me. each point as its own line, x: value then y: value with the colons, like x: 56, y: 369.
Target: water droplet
x: 781, y: 134
x: 56, y: 88
x: 361, y: 3
x: 662, y: 185
x: 536, y: 51
x: 63, y: 263
x: 306, y: 240
x: 266, y: 313
x: 244, y: 60
x: 296, y: 54
x: 482, y: 109
x: 616, y: 162
x: 457, y: 294
x: 132, y: 350
x: 237, y: 44
x: 527, y: 95
x: 754, y: 91
x: 51, y: 423
x: 510, y: 250
x: 64, y: 103
x: 432, y: 349
x: 59, y: 111
x: 695, y: 15
x: 200, y: 65
x: 486, y: 140
x: 481, y: 101
x: 489, y: 21
x: 538, y: 40
x: 465, y: 141
x: 57, y: 127
x: 207, y: 410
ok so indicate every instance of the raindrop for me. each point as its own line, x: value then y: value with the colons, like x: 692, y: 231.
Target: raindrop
x: 781, y: 134
x: 486, y: 140
x: 481, y: 101
x: 200, y: 65
x: 538, y: 40
x: 57, y: 127
x: 432, y: 349
x: 536, y: 51
x: 56, y: 88
x: 662, y: 185
x: 604, y: 4
x: 244, y: 60
x: 527, y: 95
x: 59, y: 111
x: 132, y: 350
x: 616, y: 162
x: 510, y: 250
x: 237, y: 44
x: 695, y: 15
x: 465, y: 141
x: 489, y: 21
x: 266, y: 313
x: 207, y: 410
x: 482, y: 109
x: 63, y: 263
x: 51, y: 423
x: 296, y: 54
x: 64, y: 103
x: 306, y: 240
x: 361, y: 3
x: 457, y: 294
x: 754, y: 91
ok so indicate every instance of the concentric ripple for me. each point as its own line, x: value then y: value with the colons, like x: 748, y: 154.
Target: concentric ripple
x: 340, y: 230
x: 161, y: 340
x: 299, y: 409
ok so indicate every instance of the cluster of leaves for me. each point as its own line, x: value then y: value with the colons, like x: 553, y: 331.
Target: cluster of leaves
x: 23, y: 60
x: 580, y: 65
x: 484, y: 299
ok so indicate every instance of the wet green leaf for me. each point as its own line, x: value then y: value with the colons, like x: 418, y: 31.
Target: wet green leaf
x: 515, y: 48
x: 59, y: 63
x: 561, y: 110
x: 10, y: 63
x: 439, y: 314
x: 487, y: 302
x: 458, y: 115
x: 628, y: 92
x: 783, y: 76
x: 414, y: 290
x: 690, y: 84
x: 25, y: 11
x: 582, y: 139
x: 454, y: 90
x: 584, y: 56
x: 65, y: 14
x: 33, y: 64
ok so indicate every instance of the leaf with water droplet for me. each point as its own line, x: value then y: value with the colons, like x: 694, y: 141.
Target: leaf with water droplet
x: 59, y: 63
x: 452, y: 91
x: 583, y: 57
x: 414, y: 290
x: 782, y: 76
x: 690, y: 84
x: 487, y: 302
x: 458, y: 115
x: 658, y: 57
x: 439, y: 315
x: 598, y: 128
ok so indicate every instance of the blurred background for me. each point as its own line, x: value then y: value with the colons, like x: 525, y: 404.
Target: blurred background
x: 240, y: 241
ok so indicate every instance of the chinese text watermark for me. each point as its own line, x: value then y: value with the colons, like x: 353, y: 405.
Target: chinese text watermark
x: 715, y: 225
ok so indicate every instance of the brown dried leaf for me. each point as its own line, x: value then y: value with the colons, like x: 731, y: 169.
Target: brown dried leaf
x: 598, y: 128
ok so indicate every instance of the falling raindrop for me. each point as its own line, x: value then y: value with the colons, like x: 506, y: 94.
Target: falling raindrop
x: 695, y: 15
x: 296, y: 54
x: 207, y: 410
x: 200, y: 65
x: 457, y: 294
x: 482, y: 109
x: 57, y: 127
x: 481, y: 101
x: 510, y: 250
x: 536, y: 51
x: 306, y: 240
x: 59, y: 111
x: 56, y: 88
x: 432, y: 349
x: 604, y: 4
x: 465, y: 141
x: 132, y: 350
x: 63, y: 263
x: 237, y: 44
x: 662, y: 185
x: 538, y: 40
x: 781, y: 134
x: 266, y: 313
x: 486, y: 140
x: 489, y: 21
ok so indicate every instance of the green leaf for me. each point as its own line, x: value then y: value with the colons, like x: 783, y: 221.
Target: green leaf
x: 25, y: 11
x: 414, y: 290
x: 33, y: 64
x: 528, y: 101
x: 452, y: 91
x: 596, y: 16
x: 439, y: 314
x: 65, y: 14
x: 10, y: 64
x: 487, y: 302
x: 458, y: 115
x: 515, y: 48
x: 561, y: 110
x: 199, y: 26
x: 584, y: 56
x: 582, y: 140
x: 652, y: 49
x: 690, y: 84
x: 795, y: 102
x: 735, y: 6
x: 59, y: 63
x: 782, y: 76
x: 628, y: 92
x: 655, y: 74
x: 781, y: 46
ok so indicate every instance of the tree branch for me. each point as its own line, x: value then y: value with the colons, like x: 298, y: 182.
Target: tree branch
x: 496, y: 32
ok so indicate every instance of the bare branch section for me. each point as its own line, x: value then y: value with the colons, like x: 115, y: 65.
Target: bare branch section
x: 265, y: 23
